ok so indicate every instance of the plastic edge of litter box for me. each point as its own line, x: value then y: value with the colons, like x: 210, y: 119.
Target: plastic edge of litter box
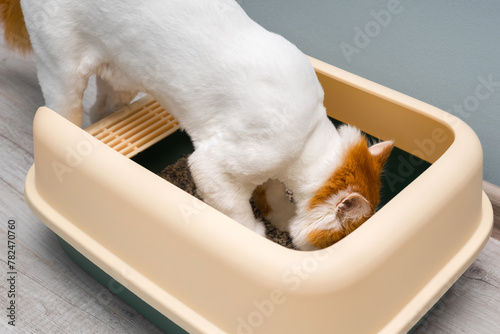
x: 162, y: 322
x: 359, y: 264
x: 457, y: 265
x: 111, y: 265
x: 411, y: 314
x: 447, y: 276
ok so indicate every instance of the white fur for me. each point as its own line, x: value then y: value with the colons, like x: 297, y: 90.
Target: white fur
x: 326, y: 217
x: 249, y: 99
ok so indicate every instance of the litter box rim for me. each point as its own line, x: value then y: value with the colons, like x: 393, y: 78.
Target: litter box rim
x: 39, y: 200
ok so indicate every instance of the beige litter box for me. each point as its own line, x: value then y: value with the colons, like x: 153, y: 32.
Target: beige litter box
x: 190, y: 268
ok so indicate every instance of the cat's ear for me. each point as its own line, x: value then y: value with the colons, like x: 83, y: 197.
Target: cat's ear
x: 381, y: 151
x: 353, y: 208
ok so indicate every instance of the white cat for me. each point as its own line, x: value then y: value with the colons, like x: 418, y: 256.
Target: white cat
x: 248, y: 98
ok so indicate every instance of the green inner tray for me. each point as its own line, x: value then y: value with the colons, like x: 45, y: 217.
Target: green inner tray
x: 400, y: 170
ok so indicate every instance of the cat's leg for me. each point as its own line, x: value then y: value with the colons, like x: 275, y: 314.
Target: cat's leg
x: 223, y: 192
x: 63, y: 83
x: 274, y: 203
x: 108, y: 100
x: 63, y: 91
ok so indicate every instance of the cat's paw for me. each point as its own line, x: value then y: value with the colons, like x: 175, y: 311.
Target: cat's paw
x: 274, y: 203
x: 260, y: 228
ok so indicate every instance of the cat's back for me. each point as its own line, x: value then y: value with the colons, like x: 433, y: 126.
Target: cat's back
x: 213, y: 39
x: 193, y: 54
x: 177, y: 22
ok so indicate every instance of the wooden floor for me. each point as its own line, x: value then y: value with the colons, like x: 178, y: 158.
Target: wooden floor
x: 53, y: 295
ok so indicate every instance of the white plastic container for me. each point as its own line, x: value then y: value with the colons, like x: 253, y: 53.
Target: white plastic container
x: 209, y: 274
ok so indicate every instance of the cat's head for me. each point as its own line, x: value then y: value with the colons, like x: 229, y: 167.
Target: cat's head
x: 346, y: 200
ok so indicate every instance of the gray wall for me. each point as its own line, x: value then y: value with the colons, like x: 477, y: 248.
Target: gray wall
x: 439, y: 52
